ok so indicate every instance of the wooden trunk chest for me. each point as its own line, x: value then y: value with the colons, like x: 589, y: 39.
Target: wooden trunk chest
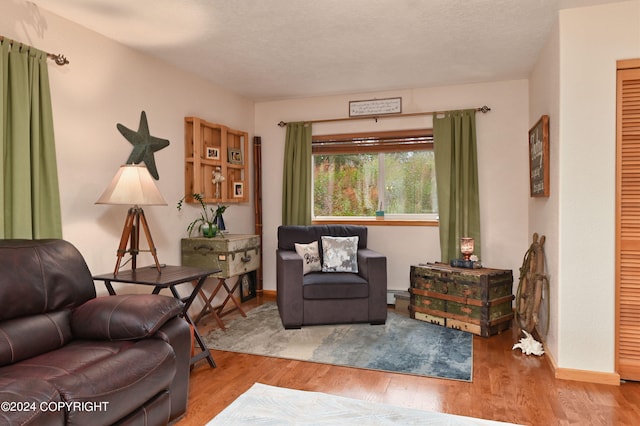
x: 234, y: 254
x: 475, y: 300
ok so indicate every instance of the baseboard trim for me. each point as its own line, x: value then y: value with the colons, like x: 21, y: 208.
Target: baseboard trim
x: 270, y: 293
x: 588, y: 376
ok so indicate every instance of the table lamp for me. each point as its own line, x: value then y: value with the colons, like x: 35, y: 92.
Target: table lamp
x: 466, y: 247
x: 133, y: 185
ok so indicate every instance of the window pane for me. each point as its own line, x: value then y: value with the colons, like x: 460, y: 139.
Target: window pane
x: 345, y: 185
x: 410, y: 183
x: 349, y: 184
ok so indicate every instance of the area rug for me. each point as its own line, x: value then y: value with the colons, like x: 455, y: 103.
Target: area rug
x: 402, y: 345
x: 270, y: 405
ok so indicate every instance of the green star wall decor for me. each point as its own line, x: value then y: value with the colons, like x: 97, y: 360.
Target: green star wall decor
x: 144, y: 145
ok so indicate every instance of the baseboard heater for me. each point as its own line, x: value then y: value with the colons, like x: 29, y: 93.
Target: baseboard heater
x: 391, y: 296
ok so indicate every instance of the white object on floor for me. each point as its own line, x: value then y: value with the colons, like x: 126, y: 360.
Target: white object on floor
x: 528, y: 345
x: 271, y: 405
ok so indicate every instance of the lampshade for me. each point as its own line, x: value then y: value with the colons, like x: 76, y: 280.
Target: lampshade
x: 132, y: 185
x: 466, y: 247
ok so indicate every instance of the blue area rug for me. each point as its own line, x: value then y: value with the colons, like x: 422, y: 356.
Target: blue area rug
x: 402, y: 345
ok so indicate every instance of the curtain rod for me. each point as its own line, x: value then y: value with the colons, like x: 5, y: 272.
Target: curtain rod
x: 483, y: 109
x: 59, y: 58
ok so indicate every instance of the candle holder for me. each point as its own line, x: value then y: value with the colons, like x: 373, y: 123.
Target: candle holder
x: 466, y: 247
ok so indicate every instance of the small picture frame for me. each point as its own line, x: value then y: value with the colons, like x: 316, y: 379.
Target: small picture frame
x: 235, y: 156
x: 238, y: 189
x: 247, y: 286
x: 212, y: 153
x: 539, y: 158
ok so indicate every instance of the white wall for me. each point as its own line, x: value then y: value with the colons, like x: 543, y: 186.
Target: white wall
x: 574, y: 82
x: 502, y: 152
x: 104, y: 84
x: 544, y: 86
x: 591, y: 40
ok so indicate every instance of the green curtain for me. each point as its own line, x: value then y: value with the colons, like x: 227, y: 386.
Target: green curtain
x: 456, y: 160
x: 296, y: 182
x: 29, y: 197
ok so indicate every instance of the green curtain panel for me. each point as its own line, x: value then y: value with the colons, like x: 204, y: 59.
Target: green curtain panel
x: 456, y: 160
x: 296, y: 182
x: 29, y: 196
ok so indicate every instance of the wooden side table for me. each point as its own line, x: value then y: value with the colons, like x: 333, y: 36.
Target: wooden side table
x: 168, y: 277
x: 234, y: 255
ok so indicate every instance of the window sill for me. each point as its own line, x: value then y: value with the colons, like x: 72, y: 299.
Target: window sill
x: 374, y: 222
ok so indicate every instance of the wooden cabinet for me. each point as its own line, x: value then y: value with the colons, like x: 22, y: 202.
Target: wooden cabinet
x: 473, y: 300
x: 213, y: 150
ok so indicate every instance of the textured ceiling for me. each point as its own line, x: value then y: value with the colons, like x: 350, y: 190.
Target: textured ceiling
x: 274, y: 49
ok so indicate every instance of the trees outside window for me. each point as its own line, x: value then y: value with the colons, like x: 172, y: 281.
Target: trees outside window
x: 355, y: 175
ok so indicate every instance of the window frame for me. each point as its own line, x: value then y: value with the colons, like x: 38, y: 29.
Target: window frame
x: 382, y: 141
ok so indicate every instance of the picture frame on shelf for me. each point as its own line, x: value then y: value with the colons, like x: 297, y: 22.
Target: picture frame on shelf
x: 238, y: 189
x: 235, y: 156
x: 212, y: 153
x: 539, y: 158
x: 247, y: 286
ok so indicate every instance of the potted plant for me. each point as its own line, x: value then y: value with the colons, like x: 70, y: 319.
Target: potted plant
x: 207, y: 219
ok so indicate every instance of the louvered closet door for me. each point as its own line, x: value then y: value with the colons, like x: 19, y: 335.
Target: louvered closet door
x: 628, y: 221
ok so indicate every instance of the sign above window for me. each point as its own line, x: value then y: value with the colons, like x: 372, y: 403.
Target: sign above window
x: 374, y: 107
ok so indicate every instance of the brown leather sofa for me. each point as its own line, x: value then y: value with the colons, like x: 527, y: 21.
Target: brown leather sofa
x: 69, y: 357
x: 329, y: 297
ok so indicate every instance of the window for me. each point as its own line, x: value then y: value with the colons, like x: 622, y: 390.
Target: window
x: 356, y: 174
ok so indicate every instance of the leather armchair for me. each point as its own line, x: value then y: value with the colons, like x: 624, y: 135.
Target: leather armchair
x: 69, y: 357
x: 329, y: 297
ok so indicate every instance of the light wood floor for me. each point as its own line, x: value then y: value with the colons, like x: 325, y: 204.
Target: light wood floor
x: 507, y: 386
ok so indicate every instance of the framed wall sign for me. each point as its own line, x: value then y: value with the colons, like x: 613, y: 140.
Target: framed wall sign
x: 539, y: 158
x: 375, y: 107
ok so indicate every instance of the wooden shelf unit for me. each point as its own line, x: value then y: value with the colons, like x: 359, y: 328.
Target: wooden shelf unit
x: 207, y: 148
